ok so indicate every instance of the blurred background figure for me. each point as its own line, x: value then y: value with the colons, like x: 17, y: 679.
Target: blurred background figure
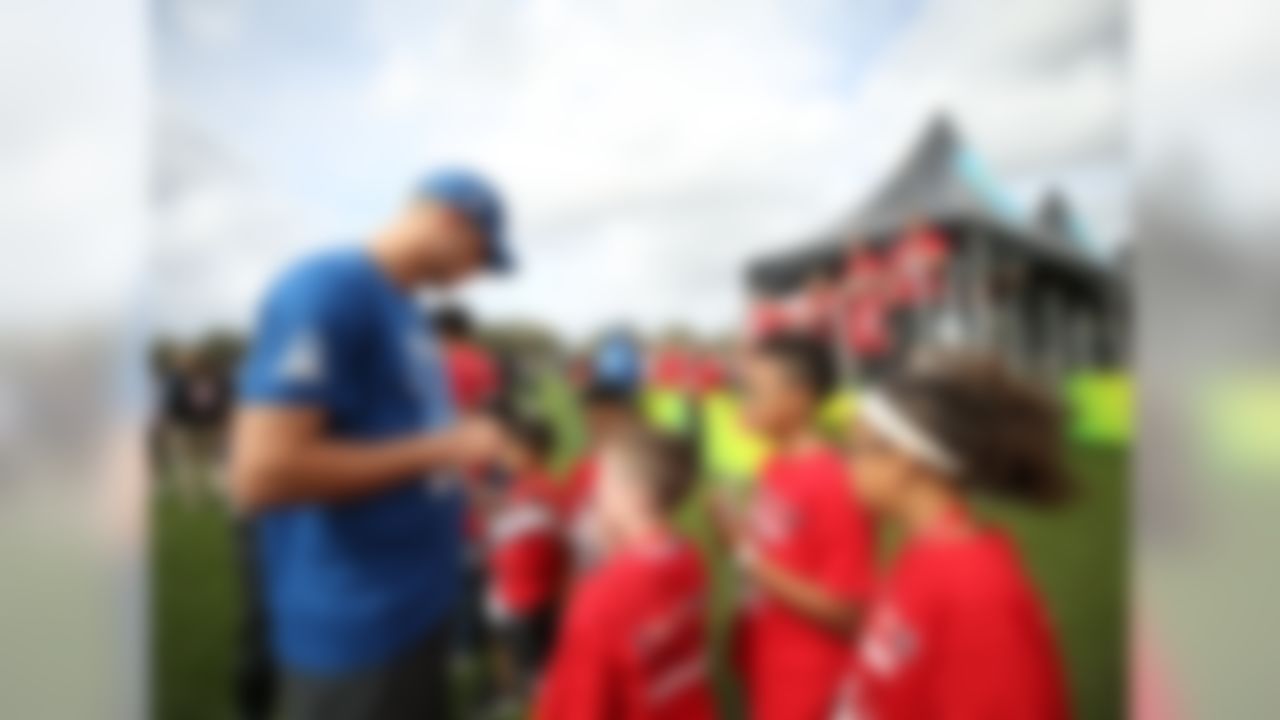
x: 474, y: 376
x: 195, y: 406
x: 474, y: 384
x: 618, y: 362
x: 527, y: 554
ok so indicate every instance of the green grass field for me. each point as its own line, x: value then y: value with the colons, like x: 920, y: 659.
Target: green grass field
x: 1077, y: 557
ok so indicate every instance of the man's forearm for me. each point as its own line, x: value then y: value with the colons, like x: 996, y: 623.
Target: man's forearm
x: 322, y: 470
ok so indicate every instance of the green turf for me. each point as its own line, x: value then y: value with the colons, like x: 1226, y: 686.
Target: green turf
x: 194, y: 605
x: 1077, y: 557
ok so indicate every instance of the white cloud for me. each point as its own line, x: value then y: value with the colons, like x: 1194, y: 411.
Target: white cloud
x: 219, y: 235
x: 643, y: 150
x: 1034, y: 82
x: 72, y: 177
x: 651, y: 148
x: 213, y: 24
x: 1209, y: 109
x: 1038, y: 87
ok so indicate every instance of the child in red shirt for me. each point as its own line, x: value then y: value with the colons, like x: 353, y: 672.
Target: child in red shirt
x: 956, y: 632
x: 634, y: 643
x: 526, y: 551
x: 474, y: 378
x: 805, y: 545
x: 608, y: 410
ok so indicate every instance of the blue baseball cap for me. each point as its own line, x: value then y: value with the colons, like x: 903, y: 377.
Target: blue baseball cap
x: 478, y: 200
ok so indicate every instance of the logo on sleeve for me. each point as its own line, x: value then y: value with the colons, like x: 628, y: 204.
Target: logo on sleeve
x: 302, y: 361
x: 418, y: 364
x: 849, y: 703
x: 889, y: 643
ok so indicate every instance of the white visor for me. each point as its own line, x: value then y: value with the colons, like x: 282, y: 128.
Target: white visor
x: 881, y: 413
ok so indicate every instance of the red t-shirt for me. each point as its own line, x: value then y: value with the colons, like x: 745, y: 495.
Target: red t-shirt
x: 473, y: 376
x: 804, y: 518
x: 526, y: 548
x: 956, y: 633
x: 634, y: 642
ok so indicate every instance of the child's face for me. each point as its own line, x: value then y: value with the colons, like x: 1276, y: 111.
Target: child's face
x: 774, y: 403
x: 880, y: 475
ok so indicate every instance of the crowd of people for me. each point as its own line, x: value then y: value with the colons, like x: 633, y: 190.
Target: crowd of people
x: 875, y: 305
x: 400, y: 496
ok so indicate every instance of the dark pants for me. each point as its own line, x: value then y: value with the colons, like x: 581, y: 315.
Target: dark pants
x: 256, y: 679
x: 471, y: 627
x: 413, y: 686
x: 529, y: 639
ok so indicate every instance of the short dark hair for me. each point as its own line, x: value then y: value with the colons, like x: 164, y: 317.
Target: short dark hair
x: 453, y: 322
x: 666, y: 463
x: 609, y: 395
x: 1008, y: 432
x: 531, y: 431
x: 806, y: 360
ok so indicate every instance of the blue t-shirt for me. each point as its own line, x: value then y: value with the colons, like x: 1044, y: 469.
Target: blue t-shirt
x: 351, y: 584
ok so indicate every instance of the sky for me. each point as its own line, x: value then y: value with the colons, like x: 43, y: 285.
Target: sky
x: 648, y: 149
x: 72, y: 181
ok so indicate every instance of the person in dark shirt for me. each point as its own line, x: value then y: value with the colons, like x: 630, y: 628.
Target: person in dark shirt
x: 196, y: 403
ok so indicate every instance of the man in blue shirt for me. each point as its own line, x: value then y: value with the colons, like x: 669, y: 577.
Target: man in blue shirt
x: 342, y: 452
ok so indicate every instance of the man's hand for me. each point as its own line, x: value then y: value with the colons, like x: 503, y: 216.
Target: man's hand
x: 473, y: 441
x: 281, y: 456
